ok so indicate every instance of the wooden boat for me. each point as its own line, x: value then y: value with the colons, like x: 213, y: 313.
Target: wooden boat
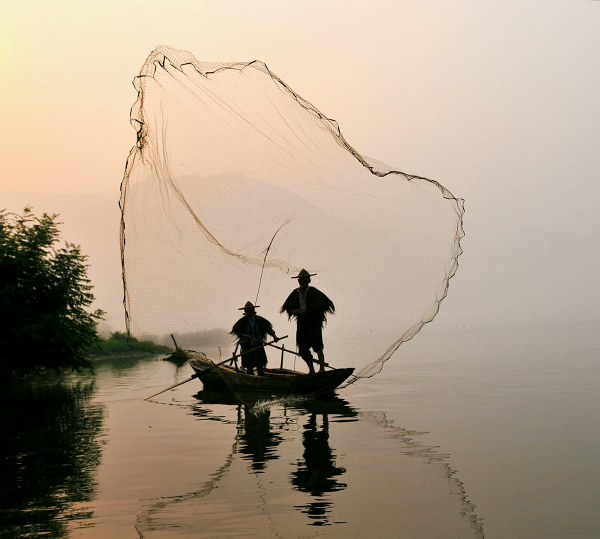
x: 179, y: 357
x: 276, y: 381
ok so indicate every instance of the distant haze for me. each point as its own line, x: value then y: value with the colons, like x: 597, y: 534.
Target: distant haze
x: 498, y: 101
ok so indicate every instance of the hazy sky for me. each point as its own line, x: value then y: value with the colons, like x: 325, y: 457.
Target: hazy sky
x: 496, y: 100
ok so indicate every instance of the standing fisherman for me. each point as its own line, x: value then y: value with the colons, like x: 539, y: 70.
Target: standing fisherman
x: 310, y: 307
x: 251, y: 331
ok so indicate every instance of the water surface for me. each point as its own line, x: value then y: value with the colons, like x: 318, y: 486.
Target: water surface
x: 91, y: 458
x: 491, y: 433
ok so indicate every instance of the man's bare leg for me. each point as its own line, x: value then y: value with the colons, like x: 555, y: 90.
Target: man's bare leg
x: 310, y: 362
x: 321, y: 357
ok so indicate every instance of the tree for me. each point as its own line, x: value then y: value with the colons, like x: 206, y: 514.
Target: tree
x: 44, y: 293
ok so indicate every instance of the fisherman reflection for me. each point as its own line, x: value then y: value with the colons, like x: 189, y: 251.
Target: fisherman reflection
x: 257, y: 440
x: 316, y: 475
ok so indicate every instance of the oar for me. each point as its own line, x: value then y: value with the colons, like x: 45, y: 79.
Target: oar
x: 269, y: 343
x: 197, y: 374
x: 316, y: 361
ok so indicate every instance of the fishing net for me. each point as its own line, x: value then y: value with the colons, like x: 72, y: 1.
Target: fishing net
x: 236, y: 183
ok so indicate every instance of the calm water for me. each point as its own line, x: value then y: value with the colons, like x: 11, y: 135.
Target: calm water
x: 490, y: 433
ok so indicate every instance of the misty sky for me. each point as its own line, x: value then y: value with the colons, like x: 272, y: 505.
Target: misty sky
x: 496, y: 100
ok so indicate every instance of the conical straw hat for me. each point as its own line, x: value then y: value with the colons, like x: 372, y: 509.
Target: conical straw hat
x: 303, y: 273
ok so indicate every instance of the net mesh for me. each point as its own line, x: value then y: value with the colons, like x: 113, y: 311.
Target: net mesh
x: 236, y: 183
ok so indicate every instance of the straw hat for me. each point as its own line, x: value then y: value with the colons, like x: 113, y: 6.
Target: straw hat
x: 303, y: 274
x: 248, y: 306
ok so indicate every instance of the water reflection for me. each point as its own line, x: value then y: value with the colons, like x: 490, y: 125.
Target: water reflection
x: 296, y: 464
x: 49, y: 455
x: 317, y: 472
x: 207, y: 466
x: 257, y: 440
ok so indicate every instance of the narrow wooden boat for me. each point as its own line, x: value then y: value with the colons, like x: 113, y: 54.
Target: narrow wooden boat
x: 278, y: 381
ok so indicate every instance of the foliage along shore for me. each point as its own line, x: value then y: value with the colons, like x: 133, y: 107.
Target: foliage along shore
x: 45, y: 297
x: 119, y: 344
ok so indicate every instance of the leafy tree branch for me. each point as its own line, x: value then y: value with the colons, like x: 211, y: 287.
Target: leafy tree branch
x: 44, y: 297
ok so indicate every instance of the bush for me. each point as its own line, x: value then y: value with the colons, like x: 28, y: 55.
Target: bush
x: 119, y: 344
x: 44, y: 293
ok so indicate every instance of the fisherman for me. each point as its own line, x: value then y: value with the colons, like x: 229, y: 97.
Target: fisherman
x: 310, y: 307
x: 251, y: 331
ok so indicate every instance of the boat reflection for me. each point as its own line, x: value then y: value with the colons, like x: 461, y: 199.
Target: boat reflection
x: 258, y: 437
x: 316, y: 472
x: 261, y: 432
x: 297, y: 463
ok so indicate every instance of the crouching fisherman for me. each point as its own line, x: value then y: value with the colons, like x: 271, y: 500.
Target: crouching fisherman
x: 251, y: 331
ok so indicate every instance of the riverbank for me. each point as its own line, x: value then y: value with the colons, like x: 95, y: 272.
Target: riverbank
x: 121, y: 345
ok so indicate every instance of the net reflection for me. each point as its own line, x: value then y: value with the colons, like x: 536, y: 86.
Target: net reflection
x: 297, y: 465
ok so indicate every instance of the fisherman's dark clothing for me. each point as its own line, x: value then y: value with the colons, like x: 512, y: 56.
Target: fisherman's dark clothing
x: 309, y: 325
x: 251, y: 332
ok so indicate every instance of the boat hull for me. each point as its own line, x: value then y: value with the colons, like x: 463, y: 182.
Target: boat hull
x: 226, y: 378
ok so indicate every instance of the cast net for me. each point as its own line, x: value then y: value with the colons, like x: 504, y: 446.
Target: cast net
x: 236, y: 183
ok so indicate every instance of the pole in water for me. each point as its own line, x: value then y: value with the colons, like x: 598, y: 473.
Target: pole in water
x: 174, y: 386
